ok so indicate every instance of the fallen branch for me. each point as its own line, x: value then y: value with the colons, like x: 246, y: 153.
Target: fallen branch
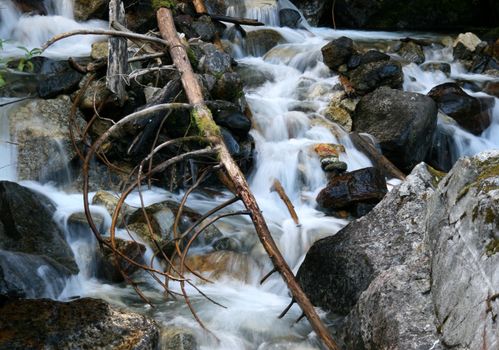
x: 129, y: 35
x: 235, y: 20
x: 277, y: 187
x: 202, y: 117
x: 380, y: 160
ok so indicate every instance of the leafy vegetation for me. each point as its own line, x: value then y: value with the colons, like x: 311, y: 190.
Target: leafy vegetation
x: 24, y: 64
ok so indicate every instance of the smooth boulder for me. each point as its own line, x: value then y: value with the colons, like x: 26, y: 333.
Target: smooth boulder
x: 337, y: 52
x: 471, y: 113
x: 375, y: 272
x: 403, y: 122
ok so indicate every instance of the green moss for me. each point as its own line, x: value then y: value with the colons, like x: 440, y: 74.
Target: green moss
x: 157, y: 4
x: 437, y: 175
x: 192, y: 57
x: 204, y: 123
x: 490, y: 216
x: 492, y: 247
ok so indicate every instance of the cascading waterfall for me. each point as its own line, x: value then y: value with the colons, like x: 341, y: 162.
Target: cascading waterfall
x: 33, y: 31
x: 287, y: 124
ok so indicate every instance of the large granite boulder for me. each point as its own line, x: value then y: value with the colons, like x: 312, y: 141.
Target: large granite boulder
x: 375, y: 272
x: 462, y: 223
x: 80, y: 324
x: 403, y: 122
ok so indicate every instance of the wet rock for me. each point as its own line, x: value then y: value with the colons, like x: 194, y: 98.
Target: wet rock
x: 403, y: 122
x: 442, y: 155
x: 411, y: 52
x: 465, y: 45
x: 443, y: 67
x: 252, y: 77
x: 337, y: 52
x: 339, y: 115
x: 31, y: 7
x: 111, y: 266
x: 178, y: 338
x: 260, y: 41
x: 375, y: 271
x: 41, y: 130
x: 463, y: 225
x: 218, y: 264
x: 78, y: 225
x: 228, y: 87
x: 325, y: 150
x: 212, y: 60
x: 95, y: 95
x: 234, y: 120
x: 109, y: 202
x: 289, y: 18
x: 367, y: 77
x: 31, y: 276
x: 347, y: 190
x: 204, y: 28
x: 492, y: 88
x: 312, y: 10
x: 86, y: 9
x: 470, y: 112
x: 80, y: 324
x: 100, y: 50
x: 162, y: 217
x: 33, y: 247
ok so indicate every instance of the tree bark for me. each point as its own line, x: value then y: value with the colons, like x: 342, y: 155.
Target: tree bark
x: 206, y: 125
x: 117, y: 60
x: 380, y: 160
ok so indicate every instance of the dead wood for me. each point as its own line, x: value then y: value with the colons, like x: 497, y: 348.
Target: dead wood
x: 277, y: 187
x: 117, y: 58
x: 376, y: 157
x: 207, y: 127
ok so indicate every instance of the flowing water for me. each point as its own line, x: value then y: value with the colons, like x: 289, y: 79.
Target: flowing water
x: 288, y: 122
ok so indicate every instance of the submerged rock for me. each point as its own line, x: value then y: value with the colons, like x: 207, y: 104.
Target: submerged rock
x: 462, y: 222
x: 471, y: 113
x: 260, y: 41
x: 80, y: 324
x: 162, y: 217
x: 178, y: 339
x: 289, y: 18
x: 111, y: 266
x: 403, y: 122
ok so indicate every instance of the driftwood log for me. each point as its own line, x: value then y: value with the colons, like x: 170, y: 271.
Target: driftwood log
x: 118, y: 54
x: 202, y: 117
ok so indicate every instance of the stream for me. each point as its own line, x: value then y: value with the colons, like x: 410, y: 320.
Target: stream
x: 288, y: 121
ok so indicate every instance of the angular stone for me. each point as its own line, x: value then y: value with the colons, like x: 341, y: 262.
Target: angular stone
x: 471, y: 113
x: 337, y: 52
x: 403, y: 122
x: 324, y: 150
x: 344, y: 191
x: 367, y: 77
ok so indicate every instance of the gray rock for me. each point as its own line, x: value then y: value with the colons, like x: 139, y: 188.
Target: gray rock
x: 403, y: 122
x: 80, y: 324
x: 289, y: 18
x: 411, y: 52
x: 213, y: 61
x: 41, y: 130
x: 376, y: 272
x: 463, y: 229
x: 372, y: 75
x: 178, y: 339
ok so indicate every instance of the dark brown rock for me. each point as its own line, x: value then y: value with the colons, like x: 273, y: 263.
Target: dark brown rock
x: 348, y: 190
x: 403, y: 122
x: 337, y: 52
x: 112, y: 265
x: 470, y: 112
x: 369, y: 76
